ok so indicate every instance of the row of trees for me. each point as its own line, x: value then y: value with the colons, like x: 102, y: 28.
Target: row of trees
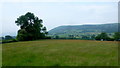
x: 7, y: 37
x: 104, y: 36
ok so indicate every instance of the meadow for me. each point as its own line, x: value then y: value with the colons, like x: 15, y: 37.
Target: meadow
x: 60, y: 53
x: 0, y: 55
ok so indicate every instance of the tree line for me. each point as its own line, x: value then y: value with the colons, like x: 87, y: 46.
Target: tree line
x: 102, y: 36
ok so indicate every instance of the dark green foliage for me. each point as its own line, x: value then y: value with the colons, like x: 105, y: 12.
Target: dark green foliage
x: 8, y: 37
x: 47, y: 37
x: 102, y: 36
x: 22, y: 34
x: 110, y: 39
x: 31, y: 27
x: 93, y: 37
x: 8, y: 41
x: 117, y: 36
x: 85, y: 37
x: 71, y: 36
x: 57, y: 37
x: 2, y: 38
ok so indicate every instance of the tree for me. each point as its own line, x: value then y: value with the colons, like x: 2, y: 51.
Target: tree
x: 85, y: 37
x: 1, y: 38
x: 93, y: 37
x: 102, y: 36
x: 116, y: 36
x: 57, y: 37
x: 31, y: 27
x: 8, y: 37
x: 71, y: 36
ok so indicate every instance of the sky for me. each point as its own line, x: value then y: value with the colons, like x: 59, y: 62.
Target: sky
x: 57, y: 12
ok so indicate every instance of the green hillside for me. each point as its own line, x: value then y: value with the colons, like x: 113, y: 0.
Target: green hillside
x: 88, y: 30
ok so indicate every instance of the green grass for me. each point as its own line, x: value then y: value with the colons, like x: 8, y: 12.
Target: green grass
x: 61, y: 53
x: 0, y: 55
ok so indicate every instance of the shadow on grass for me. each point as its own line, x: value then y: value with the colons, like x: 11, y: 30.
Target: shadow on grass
x: 56, y: 64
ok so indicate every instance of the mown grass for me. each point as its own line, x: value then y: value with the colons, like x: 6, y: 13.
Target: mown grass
x: 60, y: 53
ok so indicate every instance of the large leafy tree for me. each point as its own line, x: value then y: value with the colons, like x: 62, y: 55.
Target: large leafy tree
x: 31, y: 27
x: 117, y: 36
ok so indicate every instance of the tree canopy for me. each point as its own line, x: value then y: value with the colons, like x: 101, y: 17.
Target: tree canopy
x: 8, y: 37
x: 117, y: 36
x: 31, y: 27
x: 102, y: 36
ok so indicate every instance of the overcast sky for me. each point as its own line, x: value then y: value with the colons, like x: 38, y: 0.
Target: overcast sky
x: 58, y: 12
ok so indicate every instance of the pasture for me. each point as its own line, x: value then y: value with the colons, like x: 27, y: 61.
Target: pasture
x: 0, y: 55
x: 60, y: 53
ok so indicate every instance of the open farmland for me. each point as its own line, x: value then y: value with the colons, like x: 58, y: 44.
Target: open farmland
x: 61, y: 53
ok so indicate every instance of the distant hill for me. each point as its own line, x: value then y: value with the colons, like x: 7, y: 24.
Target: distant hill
x: 88, y: 30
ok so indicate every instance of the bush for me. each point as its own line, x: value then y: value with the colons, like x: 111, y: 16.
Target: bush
x: 103, y: 36
x: 117, y: 36
x: 9, y: 41
x: 8, y: 37
x: 47, y: 37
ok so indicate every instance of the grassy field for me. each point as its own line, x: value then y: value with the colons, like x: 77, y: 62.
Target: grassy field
x: 0, y: 55
x: 61, y: 53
